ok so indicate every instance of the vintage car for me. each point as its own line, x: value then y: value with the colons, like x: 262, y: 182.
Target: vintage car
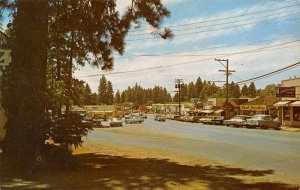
x: 237, y: 120
x: 218, y: 120
x: 134, y: 119
x: 262, y: 121
x: 160, y: 118
x: 207, y: 119
x: 115, y: 122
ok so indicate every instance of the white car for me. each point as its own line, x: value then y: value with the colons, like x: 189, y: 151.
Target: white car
x: 263, y: 121
x: 238, y: 120
x: 115, y: 122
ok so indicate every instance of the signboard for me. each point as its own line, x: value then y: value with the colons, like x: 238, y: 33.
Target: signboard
x: 253, y: 107
x: 285, y: 92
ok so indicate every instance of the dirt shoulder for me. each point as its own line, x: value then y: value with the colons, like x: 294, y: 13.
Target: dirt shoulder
x: 116, y: 166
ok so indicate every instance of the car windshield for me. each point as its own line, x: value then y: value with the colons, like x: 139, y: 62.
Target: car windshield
x: 258, y: 117
x: 238, y: 117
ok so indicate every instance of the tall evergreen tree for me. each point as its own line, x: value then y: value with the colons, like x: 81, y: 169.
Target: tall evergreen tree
x: 93, y: 26
x: 199, y: 86
x: 87, y: 95
x: 236, y: 93
x: 102, y: 91
x: 25, y: 84
x: 252, y: 90
x: 244, y: 91
x: 117, y: 98
x: 110, y: 93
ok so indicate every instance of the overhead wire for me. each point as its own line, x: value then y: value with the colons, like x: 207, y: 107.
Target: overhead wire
x: 205, y: 31
x: 236, y: 21
x: 217, y: 47
x: 226, y: 18
x: 270, y: 73
x: 189, y: 62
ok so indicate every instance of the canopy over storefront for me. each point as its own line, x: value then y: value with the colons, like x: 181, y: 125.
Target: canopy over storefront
x: 281, y: 103
x: 296, y: 103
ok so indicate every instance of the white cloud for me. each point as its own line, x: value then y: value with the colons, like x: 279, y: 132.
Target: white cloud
x: 246, y: 65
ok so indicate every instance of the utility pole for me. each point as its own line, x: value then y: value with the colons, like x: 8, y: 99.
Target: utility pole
x: 227, y: 72
x: 179, y: 84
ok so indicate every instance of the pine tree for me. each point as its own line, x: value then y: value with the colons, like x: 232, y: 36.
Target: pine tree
x: 117, y: 98
x: 191, y: 91
x: 244, y: 91
x: 236, y: 93
x: 102, y: 91
x: 110, y: 93
x: 94, y: 98
x: 84, y: 27
x: 26, y: 84
x: 252, y: 90
x: 198, y: 86
x: 87, y: 95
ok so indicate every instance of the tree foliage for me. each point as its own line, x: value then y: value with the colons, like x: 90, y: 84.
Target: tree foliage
x: 58, y: 34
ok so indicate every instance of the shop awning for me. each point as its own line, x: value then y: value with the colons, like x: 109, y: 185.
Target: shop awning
x: 296, y: 103
x: 219, y: 111
x: 281, y: 103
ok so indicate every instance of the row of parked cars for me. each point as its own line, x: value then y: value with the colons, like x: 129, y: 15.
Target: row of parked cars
x: 113, y: 122
x: 259, y: 120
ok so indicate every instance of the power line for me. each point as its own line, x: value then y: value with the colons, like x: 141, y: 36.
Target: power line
x: 223, y: 46
x: 207, y: 55
x: 189, y: 62
x: 246, y: 19
x: 270, y: 74
x: 220, y: 19
x: 209, y: 30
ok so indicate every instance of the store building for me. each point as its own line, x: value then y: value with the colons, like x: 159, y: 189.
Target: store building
x: 289, y: 104
x: 262, y: 105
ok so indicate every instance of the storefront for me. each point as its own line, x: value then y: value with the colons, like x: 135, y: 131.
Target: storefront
x: 289, y: 113
x: 262, y: 105
x: 289, y: 104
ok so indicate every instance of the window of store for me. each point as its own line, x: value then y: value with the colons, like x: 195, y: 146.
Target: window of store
x: 296, y: 111
x: 286, y: 114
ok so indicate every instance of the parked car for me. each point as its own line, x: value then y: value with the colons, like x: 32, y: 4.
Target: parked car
x: 189, y: 118
x: 134, y: 119
x: 218, y: 120
x: 160, y: 118
x: 263, y: 121
x: 115, y: 122
x: 237, y: 120
x: 207, y: 119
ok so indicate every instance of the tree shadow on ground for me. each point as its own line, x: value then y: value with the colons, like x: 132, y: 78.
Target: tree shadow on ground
x: 98, y: 171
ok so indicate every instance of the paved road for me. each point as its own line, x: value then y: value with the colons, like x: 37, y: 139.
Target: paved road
x: 255, y: 148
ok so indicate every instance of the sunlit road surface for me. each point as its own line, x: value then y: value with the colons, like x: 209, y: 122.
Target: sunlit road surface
x: 260, y: 149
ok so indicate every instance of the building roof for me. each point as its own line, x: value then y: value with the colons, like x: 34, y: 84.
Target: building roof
x: 235, y: 102
x: 267, y: 100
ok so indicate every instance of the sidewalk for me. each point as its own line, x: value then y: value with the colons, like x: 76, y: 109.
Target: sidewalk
x: 286, y: 128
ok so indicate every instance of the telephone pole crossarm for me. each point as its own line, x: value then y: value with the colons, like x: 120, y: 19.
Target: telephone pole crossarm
x: 179, y: 84
x: 227, y: 72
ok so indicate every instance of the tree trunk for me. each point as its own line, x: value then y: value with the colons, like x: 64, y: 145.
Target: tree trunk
x: 25, y: 101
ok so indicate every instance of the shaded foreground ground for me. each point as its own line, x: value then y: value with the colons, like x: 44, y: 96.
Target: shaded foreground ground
x: 115, y: 167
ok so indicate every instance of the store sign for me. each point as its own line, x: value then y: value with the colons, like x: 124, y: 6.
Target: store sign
x: 285, y: 92
x: 253, y: 107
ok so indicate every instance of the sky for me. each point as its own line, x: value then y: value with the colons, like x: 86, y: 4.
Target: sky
x: 256, y: 36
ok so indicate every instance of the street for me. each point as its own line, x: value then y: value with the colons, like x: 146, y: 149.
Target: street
x: 254, y: 148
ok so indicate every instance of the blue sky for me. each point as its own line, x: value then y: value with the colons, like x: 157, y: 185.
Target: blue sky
x: 205, y: 30
x: 257, y: 36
